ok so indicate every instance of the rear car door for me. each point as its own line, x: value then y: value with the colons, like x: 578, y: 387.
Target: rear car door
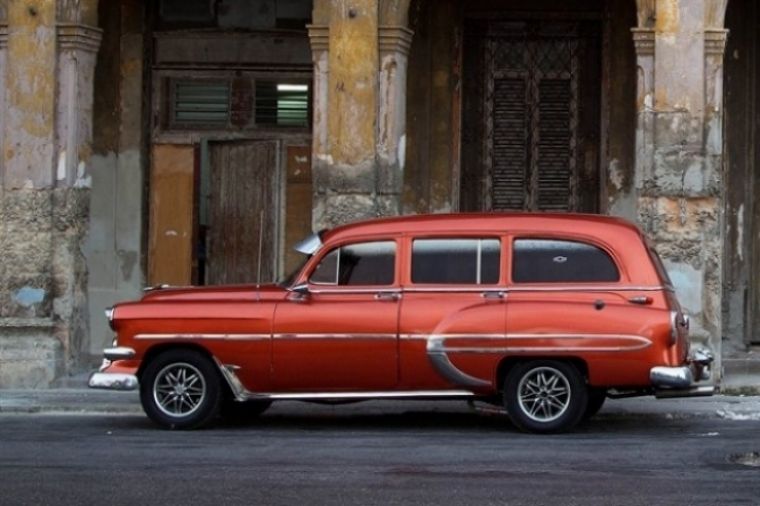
x: 453, y: 304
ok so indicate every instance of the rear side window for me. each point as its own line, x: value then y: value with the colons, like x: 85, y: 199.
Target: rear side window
x: 369, y: 263
x: 456, y: 261
x: 555, y: 261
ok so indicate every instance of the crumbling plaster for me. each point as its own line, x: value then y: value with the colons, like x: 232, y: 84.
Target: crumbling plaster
x: 48, y: 61
x: 678, y: 179
x: 359, y: 121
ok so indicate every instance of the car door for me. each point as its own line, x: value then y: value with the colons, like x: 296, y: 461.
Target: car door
x: 453, y: 308
x: 342, y: 334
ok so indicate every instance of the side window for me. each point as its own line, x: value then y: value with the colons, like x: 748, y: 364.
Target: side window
x: 554, y: 261
x: 456, y: 261
x: 369, y: 263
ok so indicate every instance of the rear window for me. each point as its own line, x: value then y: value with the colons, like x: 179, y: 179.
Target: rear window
x: 560, y: 261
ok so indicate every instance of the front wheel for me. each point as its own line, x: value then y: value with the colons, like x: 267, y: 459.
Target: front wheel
x: 181, y: 389
x: 545, y: 396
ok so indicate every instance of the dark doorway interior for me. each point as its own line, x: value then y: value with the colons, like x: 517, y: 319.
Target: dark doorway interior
x: 741, y: 292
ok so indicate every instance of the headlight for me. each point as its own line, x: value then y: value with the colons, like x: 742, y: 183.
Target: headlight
x: 109, y: 315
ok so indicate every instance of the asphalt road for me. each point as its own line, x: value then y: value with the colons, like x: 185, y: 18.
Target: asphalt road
x: 414, y: 453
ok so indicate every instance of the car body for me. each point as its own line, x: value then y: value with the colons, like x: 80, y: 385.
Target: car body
x: 546, y: 313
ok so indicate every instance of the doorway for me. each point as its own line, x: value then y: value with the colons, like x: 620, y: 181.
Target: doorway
x: 531, y: 111
x: 241, y: 243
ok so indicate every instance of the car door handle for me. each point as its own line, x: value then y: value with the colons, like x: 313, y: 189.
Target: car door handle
x: 494, y: 295
x: 389, y: 296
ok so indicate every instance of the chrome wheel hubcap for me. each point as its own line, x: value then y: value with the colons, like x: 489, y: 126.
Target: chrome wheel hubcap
x: 544, y: 394
x: 179, y: 389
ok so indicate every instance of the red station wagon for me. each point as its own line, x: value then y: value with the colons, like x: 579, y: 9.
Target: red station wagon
x: 547, y: 314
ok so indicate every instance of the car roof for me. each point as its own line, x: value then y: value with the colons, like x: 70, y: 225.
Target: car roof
x: 501, y: 222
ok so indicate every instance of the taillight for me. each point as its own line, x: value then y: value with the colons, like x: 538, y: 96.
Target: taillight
x: 110, y: 316
x: 679, y: 323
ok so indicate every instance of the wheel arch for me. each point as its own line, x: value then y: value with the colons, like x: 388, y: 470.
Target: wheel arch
x: 506, y: 364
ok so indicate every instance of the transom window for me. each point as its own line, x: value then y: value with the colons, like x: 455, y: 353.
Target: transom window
x: 237, y: 103
x: 559, y: 261
x: 456, y: 261
x: 370, y: 263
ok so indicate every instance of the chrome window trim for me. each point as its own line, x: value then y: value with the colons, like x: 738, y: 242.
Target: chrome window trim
x: 585, y: 288
x: 349, y: 290
x: 520, y: 289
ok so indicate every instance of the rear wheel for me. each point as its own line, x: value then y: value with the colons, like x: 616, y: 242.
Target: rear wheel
x: 545, y: 396
x: 181, y: 389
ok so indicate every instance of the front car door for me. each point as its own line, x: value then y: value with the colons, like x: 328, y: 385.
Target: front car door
x: 341, y: 335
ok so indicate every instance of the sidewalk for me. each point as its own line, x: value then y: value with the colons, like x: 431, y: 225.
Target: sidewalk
x: 83, y: 400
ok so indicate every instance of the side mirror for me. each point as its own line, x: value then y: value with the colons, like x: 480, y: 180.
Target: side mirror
x: 302, y: 289
x: 299, y: 293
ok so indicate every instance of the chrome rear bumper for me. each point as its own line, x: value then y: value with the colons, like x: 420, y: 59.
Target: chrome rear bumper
x: 681, y: 381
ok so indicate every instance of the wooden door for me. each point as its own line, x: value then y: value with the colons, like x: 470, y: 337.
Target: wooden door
x: 243, y: 212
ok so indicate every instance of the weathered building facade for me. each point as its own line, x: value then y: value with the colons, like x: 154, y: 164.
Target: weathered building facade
x: 219, y: 125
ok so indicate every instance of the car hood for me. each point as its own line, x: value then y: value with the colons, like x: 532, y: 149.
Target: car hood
x: 216, y: 293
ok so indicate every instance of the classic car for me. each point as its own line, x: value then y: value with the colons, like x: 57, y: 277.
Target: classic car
x: 544, y: 314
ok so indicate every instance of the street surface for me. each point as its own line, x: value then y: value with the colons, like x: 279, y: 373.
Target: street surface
x: 380, y: 453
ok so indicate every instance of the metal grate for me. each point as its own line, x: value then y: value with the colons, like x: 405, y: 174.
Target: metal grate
x: 201, y: 103
x: 531, y: 106
x: 282, y: 104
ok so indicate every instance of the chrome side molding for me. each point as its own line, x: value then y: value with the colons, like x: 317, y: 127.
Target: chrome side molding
x: 242, y: 394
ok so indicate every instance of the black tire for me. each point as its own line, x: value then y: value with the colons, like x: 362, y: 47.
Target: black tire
x: 243, y: 412
x: 181, y: 389
x: 596, y: 398
x: 545, y: 396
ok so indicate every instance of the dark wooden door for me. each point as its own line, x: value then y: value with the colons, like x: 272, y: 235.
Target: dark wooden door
x: 532, y: 94
x: 243, y: 212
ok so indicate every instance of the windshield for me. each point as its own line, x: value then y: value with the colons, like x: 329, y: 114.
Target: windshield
x: 290, y: 278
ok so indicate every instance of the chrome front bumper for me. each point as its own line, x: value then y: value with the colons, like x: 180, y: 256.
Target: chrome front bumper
x: 104, y: 380
x: 681, y: 381
x: 113, y: 381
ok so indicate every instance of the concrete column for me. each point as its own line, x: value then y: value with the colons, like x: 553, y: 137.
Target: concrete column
x: 643, y: 39
x: 49, y: 65
x: 360, y: 57
x: 679, y: 150
x: 394, y: 44
x: 320, y: 43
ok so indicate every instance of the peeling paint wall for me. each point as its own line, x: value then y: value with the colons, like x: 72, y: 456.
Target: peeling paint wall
x: 358, y: 163
x: 679, y: 158
x: 114, y: 247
